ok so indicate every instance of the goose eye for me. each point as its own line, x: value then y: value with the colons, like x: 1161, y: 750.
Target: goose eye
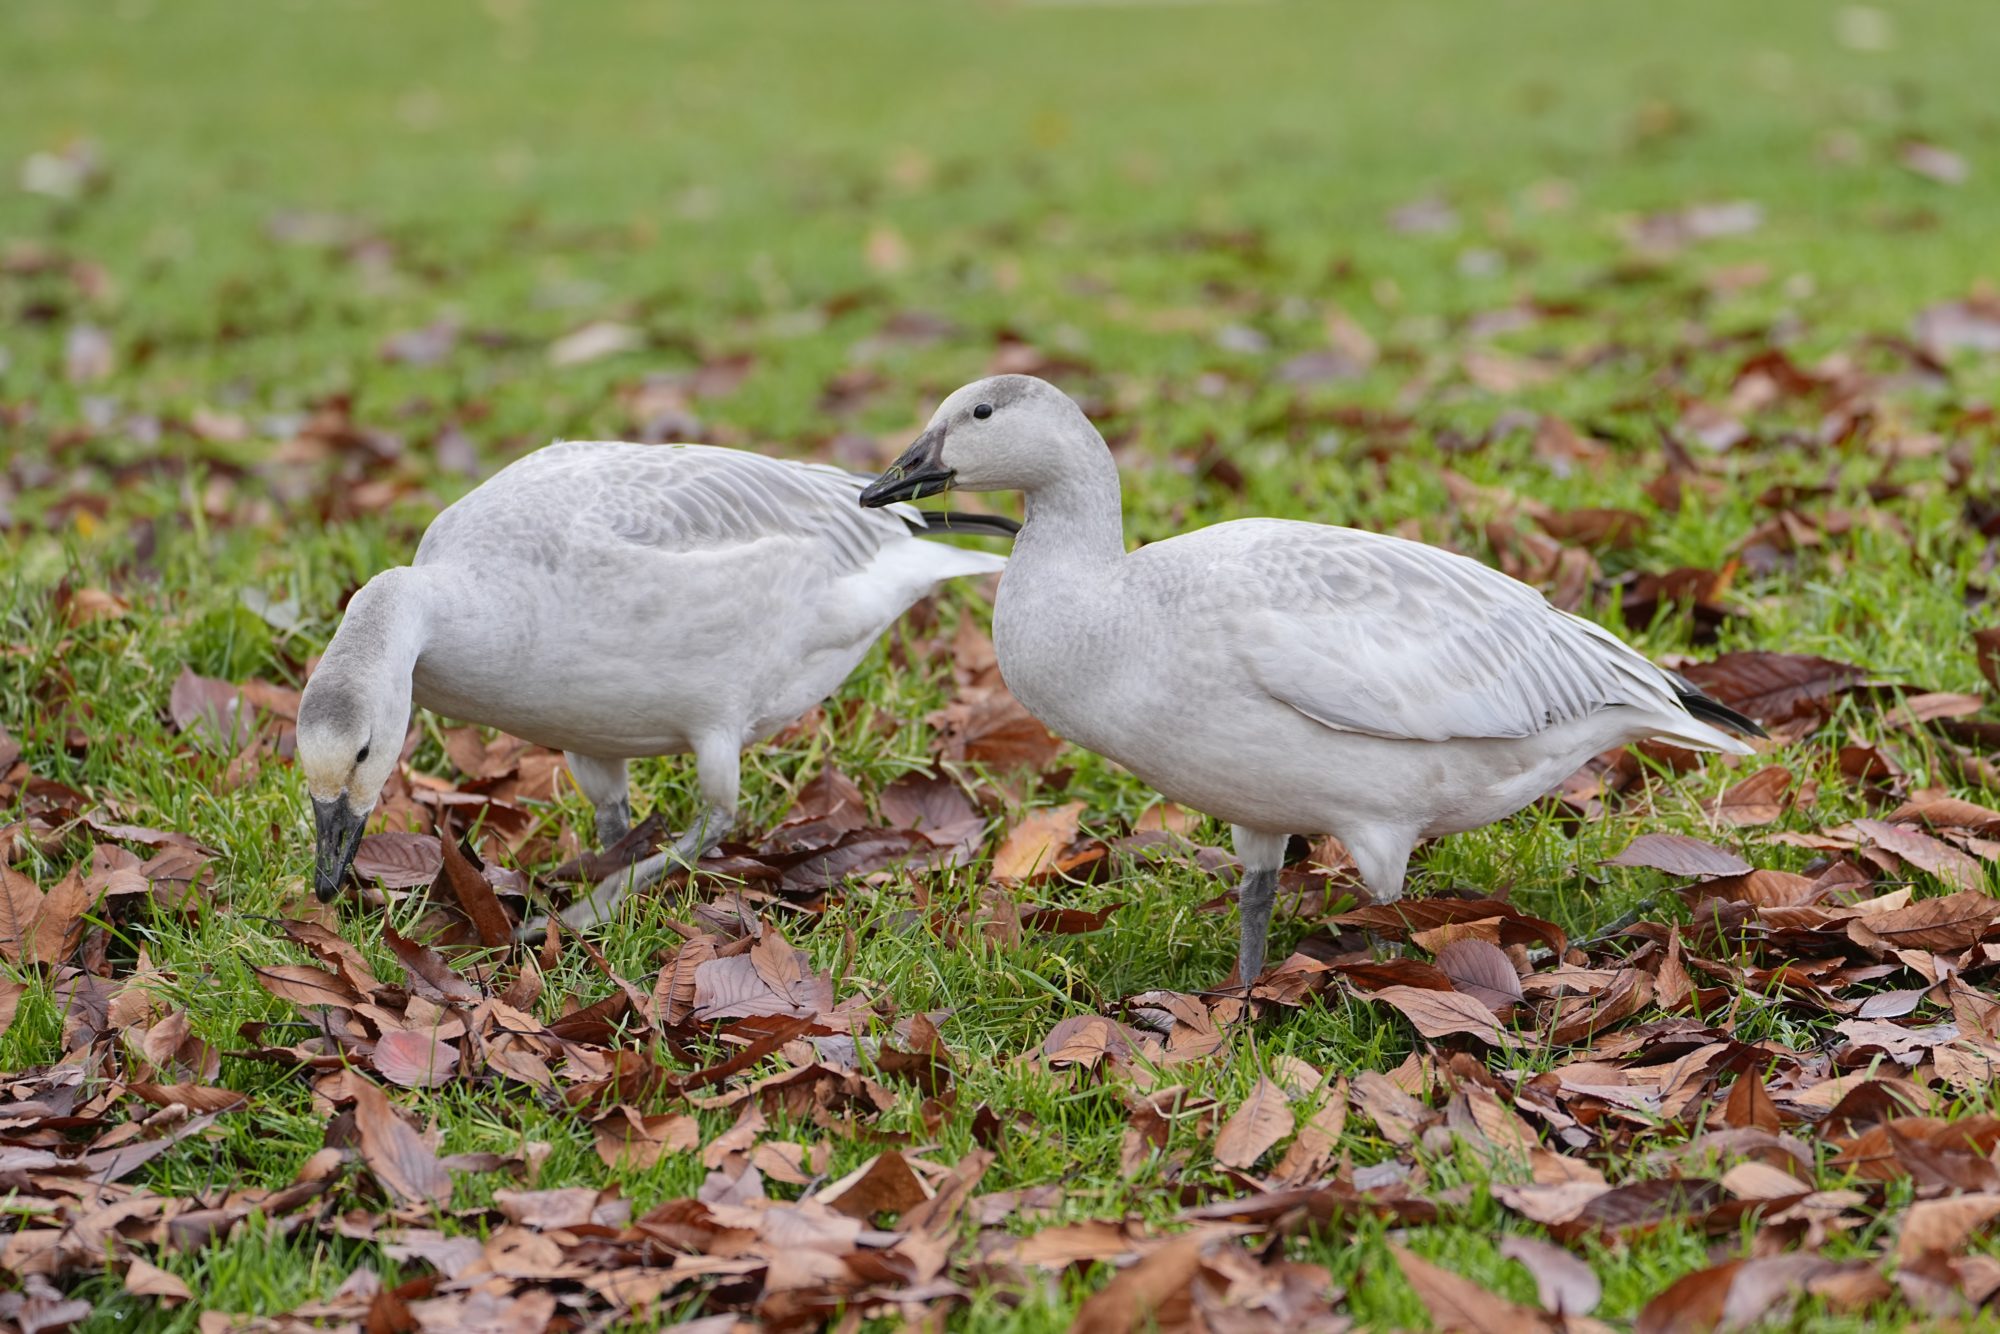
x: 983, y: 411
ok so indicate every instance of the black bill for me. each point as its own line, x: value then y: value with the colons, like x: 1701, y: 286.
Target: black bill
x: 337, y: 833
x: 920, y: 472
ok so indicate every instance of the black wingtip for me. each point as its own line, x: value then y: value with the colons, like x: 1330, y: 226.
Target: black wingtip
x: 1711, y: 710
x: 976, y: 525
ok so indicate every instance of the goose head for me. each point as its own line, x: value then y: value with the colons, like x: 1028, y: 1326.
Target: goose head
x: 1003, y: 433
x: 348, y: 745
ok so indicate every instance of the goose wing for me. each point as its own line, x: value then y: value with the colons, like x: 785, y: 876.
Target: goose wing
x: 569, y: 499
x: 703, y: 498
x: 1373, y: 634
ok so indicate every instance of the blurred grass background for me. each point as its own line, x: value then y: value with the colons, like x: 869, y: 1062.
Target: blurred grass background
x: 724, y: 154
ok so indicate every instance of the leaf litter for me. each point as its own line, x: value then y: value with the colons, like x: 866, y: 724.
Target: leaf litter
x: 802, y: 1051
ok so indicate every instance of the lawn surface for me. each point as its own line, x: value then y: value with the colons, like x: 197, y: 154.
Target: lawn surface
x: 1596, y: 294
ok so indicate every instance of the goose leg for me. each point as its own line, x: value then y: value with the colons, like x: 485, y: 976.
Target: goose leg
x: 718, y: 767
x: 606, y: 785
x: 614, y: 822
x: 1262, y: 855
x: 718, y: 770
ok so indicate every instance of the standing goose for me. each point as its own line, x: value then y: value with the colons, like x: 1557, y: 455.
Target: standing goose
x: 1286, y: 677
x: 614, y: 601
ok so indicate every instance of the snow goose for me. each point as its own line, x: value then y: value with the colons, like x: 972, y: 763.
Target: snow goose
x: 614, y: 601
x: 1285, y: 677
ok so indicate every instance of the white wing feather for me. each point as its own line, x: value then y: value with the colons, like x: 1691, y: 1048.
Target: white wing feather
x: 1373, y: 634
x: 581, y: 496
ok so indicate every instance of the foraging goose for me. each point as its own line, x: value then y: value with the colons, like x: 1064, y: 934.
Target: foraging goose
x: 1286, y: 677
x: 615, y: 601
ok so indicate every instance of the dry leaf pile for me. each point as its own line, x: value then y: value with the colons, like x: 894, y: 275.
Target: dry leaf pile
x: 1609, y: 1087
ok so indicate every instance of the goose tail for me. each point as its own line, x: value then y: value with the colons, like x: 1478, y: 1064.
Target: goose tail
x: 1713, y: 719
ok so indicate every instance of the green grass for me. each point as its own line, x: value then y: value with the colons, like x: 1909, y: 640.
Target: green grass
x: 1120, y: 186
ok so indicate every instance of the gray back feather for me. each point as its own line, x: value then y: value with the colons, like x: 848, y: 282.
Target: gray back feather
x: 1374, y: 634
x: 573, y: 498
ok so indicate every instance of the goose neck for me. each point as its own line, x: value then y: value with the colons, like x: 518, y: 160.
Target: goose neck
x: 382, y: 633
x: 1077, y: 521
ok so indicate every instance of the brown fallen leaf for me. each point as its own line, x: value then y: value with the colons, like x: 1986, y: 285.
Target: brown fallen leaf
x: 1262, y: 1119
x: 1479, y: 1116
x: 1395, y: 1113
x: 1749, y: 1105
x: 1311, y: 1154
x: 20, y: 906
x: 144, y: 835
x: 1735, y: 1295
x: 1932, y: 161
x: 145, y: 1280
x: 1765, y: 889
x: 334, y: 951
x: 194, y: 1097
x: 989, y: 726
x: 474, y: 894
x: 1373, y: 974
x: 10, y: 1002
x: 1925, y: 853
x: 1147, y: 1295
x: 1773, y: 687
x: 1950, y: 922
x: 430, y: 976
x: 1564, y: 1284
x: 1409, y: 917
x: 37, y: 927
x: 933, y: 805
x: 750, y: 1123
x: 793, y: 1164
x: 1459, y: 1304
x: 567, y: 1207
x: 1986, y: 643
x: 1946, y: 812
x: 1073, y: 1243
x: 1672, y: 985
x: 627, y: 1141
x: 1087, y: 1039
x: 772, y: 978
x: 1641, y: 1206
x: 1944, y: 1225
x: 885, y: 1184
x: 524, y: 1312
x: 1481, y: 970
x: 414, y: 1059
x: 1950, y: 326
x: 306, y: 985
x: 1678, y: 854
x: 212, y: 711
x: 398, y: 860
x: 1437, y: 1014
x: 87, y: 606
x: 1752, y: 1180
x: 394, y: 1151
x: 1067, y: 921
x: 1037, y: 842
x: 1757, y: 800
x: 596, y: 340
x: 1593, y: 527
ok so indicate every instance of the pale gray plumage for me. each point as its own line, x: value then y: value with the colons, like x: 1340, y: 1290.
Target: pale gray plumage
x: 614, y: 601
x: 1286, y: 677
